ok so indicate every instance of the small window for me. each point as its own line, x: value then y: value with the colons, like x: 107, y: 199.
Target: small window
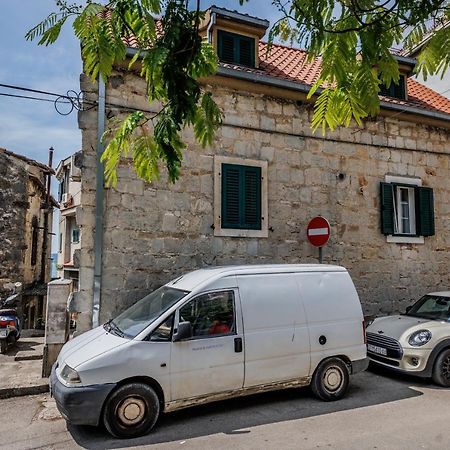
x: 407, y: 210
x: 34, y: 240
x: 210, y: 315
x: 60, y: 242
x: 395, y: 90
x: 76, y: 235
x: 164, y: 332
x: 241, y: 197
x: 235, y: 48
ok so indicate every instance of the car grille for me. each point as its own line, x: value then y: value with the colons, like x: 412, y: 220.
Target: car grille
x: 392, y: 346
x: 390, y: 362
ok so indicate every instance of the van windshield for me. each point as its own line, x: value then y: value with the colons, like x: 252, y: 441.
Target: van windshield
x: 139, y: 316
x: 433, y: 307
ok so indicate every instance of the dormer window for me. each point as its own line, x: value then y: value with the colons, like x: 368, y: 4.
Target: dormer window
x: 236, y: 49
x: 395, y: 90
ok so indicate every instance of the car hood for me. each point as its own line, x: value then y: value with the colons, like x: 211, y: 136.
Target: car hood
x: 87, y: 346
x: 397, y: 326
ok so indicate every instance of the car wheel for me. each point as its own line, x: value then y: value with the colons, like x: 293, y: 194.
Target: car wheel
x: 330, y: 380
x: 441, y: 369
x: 3, y: 346
x: 131, y: 411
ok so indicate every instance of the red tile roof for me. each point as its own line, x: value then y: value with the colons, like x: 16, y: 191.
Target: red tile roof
x: 289, y: 63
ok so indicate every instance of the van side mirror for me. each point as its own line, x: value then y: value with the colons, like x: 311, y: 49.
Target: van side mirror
x: 408, y: 309
x: 184, y: 331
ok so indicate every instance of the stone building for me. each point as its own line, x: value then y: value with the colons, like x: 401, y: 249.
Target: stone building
x: 69, y: 196
x: 384, y: 187
x: 24, y: 253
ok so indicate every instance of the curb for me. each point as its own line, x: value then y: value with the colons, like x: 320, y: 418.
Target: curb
x: 24, y: 390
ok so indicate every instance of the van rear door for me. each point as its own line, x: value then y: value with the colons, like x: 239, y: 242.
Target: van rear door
x: 276, y: 334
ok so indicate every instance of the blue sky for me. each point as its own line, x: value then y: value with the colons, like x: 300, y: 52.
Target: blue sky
x: 31, y: 127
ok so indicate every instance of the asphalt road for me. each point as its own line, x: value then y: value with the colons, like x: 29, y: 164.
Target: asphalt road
x: 381, y: 411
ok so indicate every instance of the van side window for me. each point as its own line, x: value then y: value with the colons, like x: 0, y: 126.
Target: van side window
x: 210, y: 314
x: 164, y: 332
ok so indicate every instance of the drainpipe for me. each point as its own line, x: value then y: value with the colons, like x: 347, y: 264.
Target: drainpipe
x: 99, y: 196
x: 212, y: 22
x: 43, y: 278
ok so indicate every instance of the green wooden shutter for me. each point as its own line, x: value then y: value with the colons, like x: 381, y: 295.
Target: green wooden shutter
x: 241, y: 197
x: 387, y: 208
x: 226, y: 47
x: 235, y: 48
x: 246, y: 51
x: 231, y: 194
x: 425, y: 211
x: 252, y: 198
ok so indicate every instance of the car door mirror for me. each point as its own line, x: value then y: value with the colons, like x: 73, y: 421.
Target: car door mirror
x: 408, y: 309
x: 184, y: 331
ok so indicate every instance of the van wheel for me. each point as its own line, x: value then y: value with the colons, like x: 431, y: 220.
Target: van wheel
x: 131, y: 411
x: 330, y: 380
x: 441, y: 369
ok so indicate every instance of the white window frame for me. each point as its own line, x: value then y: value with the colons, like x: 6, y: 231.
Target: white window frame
x: 406, y: 239
x: 234, y: 232
x: 398, y: 224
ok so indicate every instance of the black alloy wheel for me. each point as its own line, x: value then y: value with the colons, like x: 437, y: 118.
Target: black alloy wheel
x: 441, y: 369
x: 131, y: 410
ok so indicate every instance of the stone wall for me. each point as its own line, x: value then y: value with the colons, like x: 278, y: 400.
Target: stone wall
x: 154, y: 232
x: 21, y: 196
x: 13, y: 206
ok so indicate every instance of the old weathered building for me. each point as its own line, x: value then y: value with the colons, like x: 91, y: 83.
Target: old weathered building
x: 69, y: 194
x: 384, y: 187
x: 24, y: 253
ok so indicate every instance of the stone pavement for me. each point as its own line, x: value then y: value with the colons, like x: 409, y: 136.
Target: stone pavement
x: 20, y: 369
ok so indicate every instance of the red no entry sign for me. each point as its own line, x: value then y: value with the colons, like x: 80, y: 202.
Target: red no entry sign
x: 318, y: 231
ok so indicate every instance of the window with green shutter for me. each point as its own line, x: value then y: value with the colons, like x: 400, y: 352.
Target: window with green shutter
x: 395, y: 90
x: 406, y: 210
x: 235, y: 48
x: 241, y: 197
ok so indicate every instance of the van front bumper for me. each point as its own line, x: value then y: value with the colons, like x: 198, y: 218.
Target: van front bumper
x: 79, y: 405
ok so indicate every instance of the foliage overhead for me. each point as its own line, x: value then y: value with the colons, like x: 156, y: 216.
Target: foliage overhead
x: 172, y: 60
x: 353, y: 38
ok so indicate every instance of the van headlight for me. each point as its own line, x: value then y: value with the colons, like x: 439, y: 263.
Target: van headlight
x: 70, y: 375
x: 419, y: 338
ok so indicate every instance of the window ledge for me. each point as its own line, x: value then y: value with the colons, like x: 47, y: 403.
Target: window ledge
x: 237, y: 232
x: 405, y: 239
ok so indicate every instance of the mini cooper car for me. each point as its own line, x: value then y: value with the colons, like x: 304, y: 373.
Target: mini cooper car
x: 417, y: 342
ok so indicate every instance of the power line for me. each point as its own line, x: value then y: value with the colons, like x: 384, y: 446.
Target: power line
x: 3, y: 94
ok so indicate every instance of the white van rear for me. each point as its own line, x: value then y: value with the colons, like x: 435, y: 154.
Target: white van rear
x: 213, y: 334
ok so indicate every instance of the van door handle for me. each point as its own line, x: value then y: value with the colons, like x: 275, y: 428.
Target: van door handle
x: 238, y: 345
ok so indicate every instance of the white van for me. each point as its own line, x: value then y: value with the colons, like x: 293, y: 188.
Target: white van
x: 214, y: 334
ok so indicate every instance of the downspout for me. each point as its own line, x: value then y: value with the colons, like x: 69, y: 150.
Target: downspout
x: 99, y: 197
x: 212, y: 22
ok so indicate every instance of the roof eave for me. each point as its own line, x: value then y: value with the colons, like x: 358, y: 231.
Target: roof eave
x: 304, y: 88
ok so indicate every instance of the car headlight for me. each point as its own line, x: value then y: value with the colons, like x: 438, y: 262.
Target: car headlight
x: 419, y: 338
x: 70, y: 375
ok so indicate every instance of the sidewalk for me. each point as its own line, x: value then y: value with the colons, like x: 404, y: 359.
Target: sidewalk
x: 20, y: 369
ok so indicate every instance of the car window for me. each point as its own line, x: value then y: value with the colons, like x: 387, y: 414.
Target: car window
x: 431, y: 307
x: 164, y: 332
x: 211, y: 314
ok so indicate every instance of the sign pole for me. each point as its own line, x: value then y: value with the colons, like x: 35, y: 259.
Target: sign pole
x: 320, y: 255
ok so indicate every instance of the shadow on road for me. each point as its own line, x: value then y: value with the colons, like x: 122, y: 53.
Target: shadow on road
x: 236, y: 416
